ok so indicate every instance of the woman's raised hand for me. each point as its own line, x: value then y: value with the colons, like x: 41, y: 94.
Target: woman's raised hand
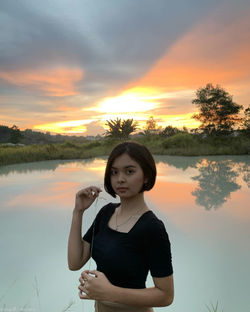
x: 85, y: 197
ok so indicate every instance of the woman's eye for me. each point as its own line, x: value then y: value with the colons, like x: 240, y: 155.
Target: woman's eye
x: 113, y: 172
x: 130, y: 171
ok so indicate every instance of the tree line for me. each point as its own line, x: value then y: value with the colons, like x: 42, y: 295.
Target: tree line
x: 15, y: 135
x: 217, y: 113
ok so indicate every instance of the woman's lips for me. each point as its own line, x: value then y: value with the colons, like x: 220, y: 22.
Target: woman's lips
x: 122, y: 189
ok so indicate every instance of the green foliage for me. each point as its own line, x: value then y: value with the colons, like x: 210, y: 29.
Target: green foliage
x: 127, y: 127
x: 114, y: 128
x: 179, y: 144
x: 69, y: 144
x: 217, y: 111
x: 169, y: 131
x: 15, y: 134
x: 246, y: 120
x: 120, y: 129
x: 92, y: 144
x: 151, y: 124
x: 183, y: 140
x: 4, y: 134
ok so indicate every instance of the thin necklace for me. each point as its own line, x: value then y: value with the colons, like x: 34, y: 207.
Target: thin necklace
x: 118, y: 225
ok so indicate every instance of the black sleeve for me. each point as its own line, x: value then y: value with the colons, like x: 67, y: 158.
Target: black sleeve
x: 95, y: 224
x: 159, y: 250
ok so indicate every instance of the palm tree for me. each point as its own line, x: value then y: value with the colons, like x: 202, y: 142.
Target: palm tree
x: 128, y: 126
x: 114, y: 128
x: 120, y: 129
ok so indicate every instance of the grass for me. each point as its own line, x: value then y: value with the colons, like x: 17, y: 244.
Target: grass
x: 183, y: 144
x: 213, y: 308
x: 26, y: 307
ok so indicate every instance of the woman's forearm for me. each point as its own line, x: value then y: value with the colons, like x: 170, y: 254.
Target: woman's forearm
x: 75, y: 242
x: 146, y: 297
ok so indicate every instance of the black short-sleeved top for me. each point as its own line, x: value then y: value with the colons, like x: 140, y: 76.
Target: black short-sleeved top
x: 126, y: 258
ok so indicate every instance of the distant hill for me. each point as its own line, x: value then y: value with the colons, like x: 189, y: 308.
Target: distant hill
x: 28, y: 136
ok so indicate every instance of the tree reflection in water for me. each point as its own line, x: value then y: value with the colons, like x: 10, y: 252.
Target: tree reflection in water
x: 217, y: 179
x: 245, y: 169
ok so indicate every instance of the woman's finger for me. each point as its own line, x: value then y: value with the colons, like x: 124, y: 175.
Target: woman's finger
x: 81, y: 287
x: 85, y: 296
x: 84, y: 272
x: 85, y: 276
x: 81, y: 280
x: 94, y: 272
x: 81, y: 192
x: 94, y: 192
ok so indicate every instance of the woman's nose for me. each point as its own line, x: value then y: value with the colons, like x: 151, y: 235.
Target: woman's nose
x: 121, y: 177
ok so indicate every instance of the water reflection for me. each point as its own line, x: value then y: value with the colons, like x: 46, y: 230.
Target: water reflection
x: 218, y: 177
x: 211, y: 180
x: 179, y: 162
x: 217, y: 180
x: 245, y: 170
x: 36, y: 212
x: 47, y: 165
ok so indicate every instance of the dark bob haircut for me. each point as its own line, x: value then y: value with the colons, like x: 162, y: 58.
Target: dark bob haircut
x: 141, y: 155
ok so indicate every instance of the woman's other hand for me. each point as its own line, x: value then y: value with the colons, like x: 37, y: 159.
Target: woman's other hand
x: 96, y: 287
x: 85, y: 197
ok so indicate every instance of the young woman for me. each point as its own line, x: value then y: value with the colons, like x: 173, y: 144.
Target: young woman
x: 128, y: 239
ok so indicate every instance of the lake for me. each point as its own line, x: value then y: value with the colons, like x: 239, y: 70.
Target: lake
x: 203, y: 201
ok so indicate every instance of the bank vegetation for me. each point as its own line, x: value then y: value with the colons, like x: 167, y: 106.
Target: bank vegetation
x: 222, y: 131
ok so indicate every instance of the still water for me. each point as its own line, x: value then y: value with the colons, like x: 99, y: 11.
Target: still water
x: 203, y: 201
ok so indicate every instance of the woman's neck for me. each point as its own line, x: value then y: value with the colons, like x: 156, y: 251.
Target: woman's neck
x: 132, y: 205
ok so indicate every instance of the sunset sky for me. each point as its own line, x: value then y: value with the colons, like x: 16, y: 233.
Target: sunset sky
x: 68, y: 66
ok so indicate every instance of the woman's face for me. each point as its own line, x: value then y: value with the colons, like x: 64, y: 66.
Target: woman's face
x: 126, y: 176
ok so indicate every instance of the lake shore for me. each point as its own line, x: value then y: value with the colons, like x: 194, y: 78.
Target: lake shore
x: 181, y: 145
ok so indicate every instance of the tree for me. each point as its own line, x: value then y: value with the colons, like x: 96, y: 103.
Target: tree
x: 217, y: 111
x: 169, y: 131
x: 15, y: 134
x: 216, y: 181
x: 4, y: 134
x: 120, y: 129
x: 114, y: 128
x: 127, y: 127
x: 246, y: 120
x: 151, y: 124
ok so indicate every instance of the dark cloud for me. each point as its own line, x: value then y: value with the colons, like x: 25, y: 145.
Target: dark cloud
x: 113, y: 41
x: 35, y: 40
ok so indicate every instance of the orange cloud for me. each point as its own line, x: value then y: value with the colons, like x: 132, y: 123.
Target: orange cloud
x: 60, y: 195
x: 53, y: 82
x: 210, y: 52
x: 167, y: 195
x: 69, y: 127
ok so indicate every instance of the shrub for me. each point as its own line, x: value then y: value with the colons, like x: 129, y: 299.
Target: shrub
x: 184, y: 140
x: 92, y: 144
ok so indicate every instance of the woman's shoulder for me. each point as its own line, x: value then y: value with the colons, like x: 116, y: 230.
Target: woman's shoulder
x: 153, y: 225
x: 107, y: 209
x: 152, y: 220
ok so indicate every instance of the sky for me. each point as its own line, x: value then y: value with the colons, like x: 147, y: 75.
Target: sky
x: 69, y: 66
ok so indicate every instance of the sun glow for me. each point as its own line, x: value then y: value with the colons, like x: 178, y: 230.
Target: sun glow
x: 178, y: 121
x: 130, y: 101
